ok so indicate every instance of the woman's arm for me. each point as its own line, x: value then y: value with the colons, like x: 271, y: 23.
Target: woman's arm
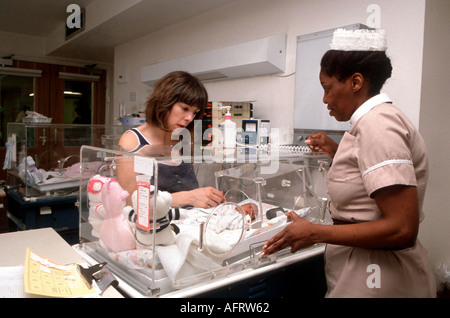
x: 396, y: 229
x: 126, y: 176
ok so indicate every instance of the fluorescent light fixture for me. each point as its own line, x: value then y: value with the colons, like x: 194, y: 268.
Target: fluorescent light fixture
x: 20, y: 71
x: 80, y: 77
x: 65, y: 93
x: 72, y: 93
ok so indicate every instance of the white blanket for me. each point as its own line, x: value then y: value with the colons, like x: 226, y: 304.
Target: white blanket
x: 183, y: 259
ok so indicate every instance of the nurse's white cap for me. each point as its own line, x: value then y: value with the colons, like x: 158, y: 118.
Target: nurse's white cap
x: 359, y: 40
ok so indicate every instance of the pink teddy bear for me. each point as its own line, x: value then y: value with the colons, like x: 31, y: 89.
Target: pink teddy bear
x: 106, y: 203
x: 115, y: 232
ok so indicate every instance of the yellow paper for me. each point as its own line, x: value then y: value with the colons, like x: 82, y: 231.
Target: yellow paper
x: 46, y: 278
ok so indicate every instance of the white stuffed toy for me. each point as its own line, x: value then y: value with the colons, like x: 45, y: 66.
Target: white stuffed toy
x: 96, y: 210
x: 164, y: 232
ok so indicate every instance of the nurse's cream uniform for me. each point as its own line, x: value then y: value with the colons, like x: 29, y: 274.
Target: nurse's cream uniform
x: 382, y: 148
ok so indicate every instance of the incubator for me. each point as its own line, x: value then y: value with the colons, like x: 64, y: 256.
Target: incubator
x: 156, y: 249
x: 42, y: 160
x: 43, y: 173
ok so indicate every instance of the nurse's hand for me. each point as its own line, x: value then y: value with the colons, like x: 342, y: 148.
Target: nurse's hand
x: 296, y: 235
x: 321, y: 142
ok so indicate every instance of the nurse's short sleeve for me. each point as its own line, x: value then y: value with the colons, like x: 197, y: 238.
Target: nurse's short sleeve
x: 384, y: 155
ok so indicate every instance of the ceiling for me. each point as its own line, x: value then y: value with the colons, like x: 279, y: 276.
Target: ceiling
x: 34, y: 17
x: 41, y: 17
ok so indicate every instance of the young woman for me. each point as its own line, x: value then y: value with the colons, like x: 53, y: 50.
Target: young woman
x: 376, y: 184
x: 177, y: 99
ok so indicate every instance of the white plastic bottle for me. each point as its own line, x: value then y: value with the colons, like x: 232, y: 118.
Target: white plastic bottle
x: 228, y: 129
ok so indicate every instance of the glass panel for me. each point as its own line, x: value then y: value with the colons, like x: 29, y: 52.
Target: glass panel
x: 77, y: 110
x: 53, y: 165
x: 77, y: 102
x: 16, y: 97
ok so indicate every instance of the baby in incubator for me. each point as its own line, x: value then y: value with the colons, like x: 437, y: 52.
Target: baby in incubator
x: 250, y: 209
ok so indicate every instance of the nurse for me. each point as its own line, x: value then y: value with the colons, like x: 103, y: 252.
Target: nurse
x: 376, y: 182
x: 177, y: 99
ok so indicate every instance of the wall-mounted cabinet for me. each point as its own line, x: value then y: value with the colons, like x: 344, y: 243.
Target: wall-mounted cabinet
x: 258, y: 57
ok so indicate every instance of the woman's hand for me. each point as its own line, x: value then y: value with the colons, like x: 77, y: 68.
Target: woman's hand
x: 321, y: 142
x: 297, y: 235
x: 200, y: 198
x: 206, y: 197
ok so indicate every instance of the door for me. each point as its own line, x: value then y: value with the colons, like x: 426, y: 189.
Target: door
x: 81, y: 101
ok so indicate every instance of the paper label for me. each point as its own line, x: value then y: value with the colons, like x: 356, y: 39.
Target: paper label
x: 143, y: 205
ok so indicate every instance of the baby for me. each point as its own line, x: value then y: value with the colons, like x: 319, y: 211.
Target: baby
x: 250, y: 209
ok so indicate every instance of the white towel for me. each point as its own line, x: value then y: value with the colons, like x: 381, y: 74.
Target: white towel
x: 183, y: 259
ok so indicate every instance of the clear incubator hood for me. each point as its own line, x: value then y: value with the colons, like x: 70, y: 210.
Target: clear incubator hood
x: 158, y: 249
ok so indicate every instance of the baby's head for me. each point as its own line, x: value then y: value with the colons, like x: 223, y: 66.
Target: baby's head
x: 250, y: 209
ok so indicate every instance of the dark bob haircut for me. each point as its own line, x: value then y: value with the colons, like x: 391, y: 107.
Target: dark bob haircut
x: 174, y: 87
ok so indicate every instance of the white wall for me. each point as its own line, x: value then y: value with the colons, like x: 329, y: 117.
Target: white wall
x: 247, y: 20
x: 434, y: 117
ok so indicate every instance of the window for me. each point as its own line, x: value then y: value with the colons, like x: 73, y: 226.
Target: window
x: 78, y: 102
x: 17, y: 91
